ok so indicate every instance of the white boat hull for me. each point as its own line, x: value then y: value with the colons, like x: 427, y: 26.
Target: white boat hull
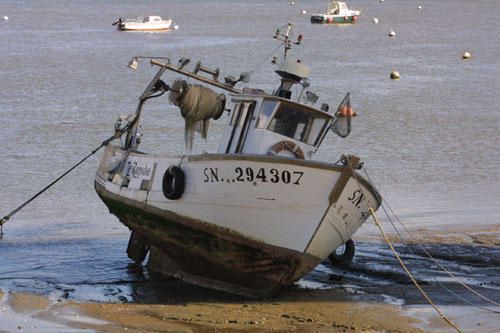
x: 149, y: 26
x: 264, y: 221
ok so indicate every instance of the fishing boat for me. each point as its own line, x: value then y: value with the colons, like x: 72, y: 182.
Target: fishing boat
x: 337, y: 13
x: 145, y: 23
x: 256, y: 215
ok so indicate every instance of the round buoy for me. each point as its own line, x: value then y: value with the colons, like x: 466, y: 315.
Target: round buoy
x: 292, y: 3
x: 176, y: 27
x: 392, y: 33
x: 304, y: 12
x: 419, y: 7
x: 466, y: 55
x: 381, y: 0
x: 375, y: 20
x: 395, y: 75
x: 5, y: 18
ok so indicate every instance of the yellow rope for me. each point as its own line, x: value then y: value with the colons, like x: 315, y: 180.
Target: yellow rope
x: 377, y: 222
x: 443, y: 316
x: 435, y: 261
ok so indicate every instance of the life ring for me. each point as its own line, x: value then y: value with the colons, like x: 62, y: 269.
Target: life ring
x: 289, y: 146
x: 343, y: 254
x: 173, y: 183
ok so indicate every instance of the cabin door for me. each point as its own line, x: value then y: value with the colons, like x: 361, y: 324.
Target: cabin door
x: 240, y: 121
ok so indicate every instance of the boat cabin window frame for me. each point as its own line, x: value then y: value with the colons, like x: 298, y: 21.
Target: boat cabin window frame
x: 267, y: 109
x: 309, y: 131
x: 241, y: 117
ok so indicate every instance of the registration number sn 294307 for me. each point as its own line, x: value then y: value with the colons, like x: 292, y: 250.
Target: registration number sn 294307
x: 253, y: 175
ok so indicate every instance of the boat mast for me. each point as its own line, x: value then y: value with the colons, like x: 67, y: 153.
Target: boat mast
x: 291, y: 72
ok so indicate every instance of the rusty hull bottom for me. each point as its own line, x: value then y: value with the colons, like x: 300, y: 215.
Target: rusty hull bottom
x: 207, y: 255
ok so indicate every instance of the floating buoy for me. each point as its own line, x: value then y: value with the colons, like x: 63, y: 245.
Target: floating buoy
x: 392, y: 33
x: 176, y: 27
x: 466, y: 55
x: 375, y: 20
x: 292, y: 3
x: 5, y: 18
x: 395, y: 75
x: 304, y: 12
x: 419, y: 7
x: 381, y: 0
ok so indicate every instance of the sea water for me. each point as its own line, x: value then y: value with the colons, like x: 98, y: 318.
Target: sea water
x: 429, y: 141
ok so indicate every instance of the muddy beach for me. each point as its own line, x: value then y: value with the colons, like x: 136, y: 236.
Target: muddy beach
x: 297, y: 311
x: 372, y: 294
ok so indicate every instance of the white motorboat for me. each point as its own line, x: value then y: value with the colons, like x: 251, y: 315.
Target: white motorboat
x: 145, y: 23
x: 256, y: 215
x: 337, y: 13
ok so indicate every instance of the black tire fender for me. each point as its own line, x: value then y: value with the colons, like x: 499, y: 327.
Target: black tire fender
x: 345, y: 256
x: 173, y: 183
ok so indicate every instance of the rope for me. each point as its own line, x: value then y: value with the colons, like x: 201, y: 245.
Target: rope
x: 8, y: 216
x: 434, y: 260
x: 422, y: 291
x: 410, y: 275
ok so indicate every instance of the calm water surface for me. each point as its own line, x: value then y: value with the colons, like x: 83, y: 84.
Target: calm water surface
x: 430, y: 141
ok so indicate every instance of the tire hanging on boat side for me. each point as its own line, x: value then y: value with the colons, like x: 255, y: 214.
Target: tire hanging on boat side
x: 173, y: 183
x: 345, y: 257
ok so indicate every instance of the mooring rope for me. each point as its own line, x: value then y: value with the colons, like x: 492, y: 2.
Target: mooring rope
x: 434, y: 260
x: 387, y: 240
x: 8, y: 216
x: 410, y: 275
x: 444, y: 269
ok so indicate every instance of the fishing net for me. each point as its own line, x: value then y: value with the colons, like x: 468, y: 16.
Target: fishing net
x: 198, y: 104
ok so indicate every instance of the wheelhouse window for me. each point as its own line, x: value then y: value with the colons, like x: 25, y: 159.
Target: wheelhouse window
x: 266, y: 111
x: 298, y: 123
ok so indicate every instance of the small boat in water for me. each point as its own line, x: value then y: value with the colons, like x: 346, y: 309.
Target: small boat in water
x: 337, y: 13
x: 146, y: 23
x: 256, y: 215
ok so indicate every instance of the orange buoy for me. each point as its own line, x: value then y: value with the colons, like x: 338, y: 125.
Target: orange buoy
x: 346, y: 111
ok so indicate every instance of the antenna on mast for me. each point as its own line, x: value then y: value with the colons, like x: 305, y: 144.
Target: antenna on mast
x: 290, y: 71
x: 285, y: 38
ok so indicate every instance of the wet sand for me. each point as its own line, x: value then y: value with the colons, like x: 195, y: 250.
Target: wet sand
x: 296, y: 311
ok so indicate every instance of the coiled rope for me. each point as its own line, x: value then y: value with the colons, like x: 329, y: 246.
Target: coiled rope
x: 410, y: 275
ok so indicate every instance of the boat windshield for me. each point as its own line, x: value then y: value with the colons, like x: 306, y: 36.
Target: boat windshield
x: 298, y: 123
x: 333, y: 8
